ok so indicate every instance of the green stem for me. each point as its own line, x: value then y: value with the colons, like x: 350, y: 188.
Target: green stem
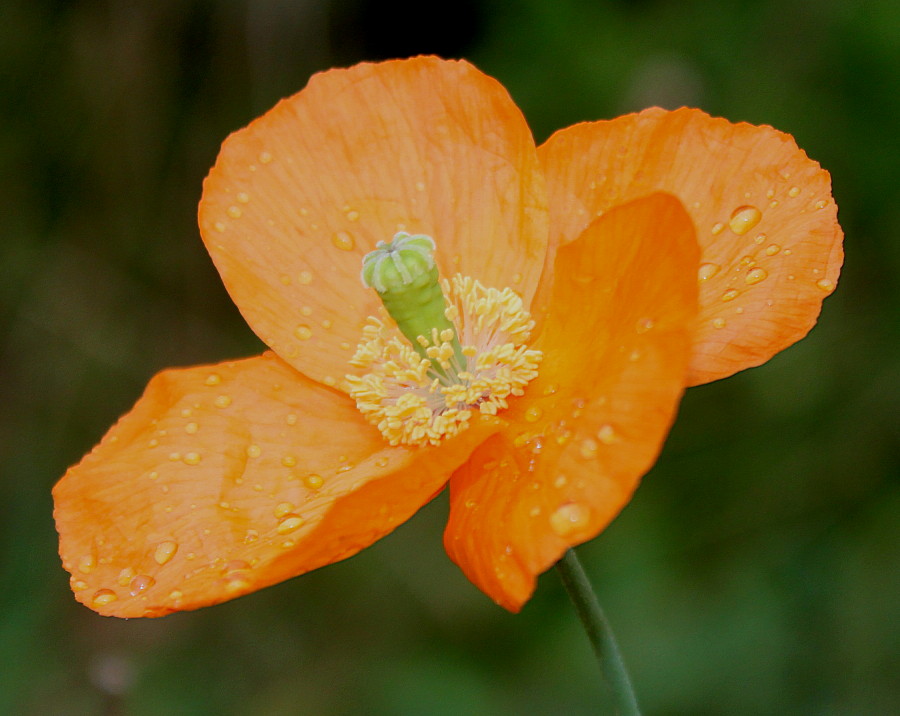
x: 599, y: 632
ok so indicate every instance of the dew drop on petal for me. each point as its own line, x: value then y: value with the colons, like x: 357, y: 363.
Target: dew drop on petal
x: 314, y: 482
x: 717, y: 229
x: 234, y: 212
x: 772, y: 249
x: 86, y: 564
x: 718, y: 323
x: 303, y: 332
x: 282, y: 509
x: 140, y: 583
x: 606, y: 434
x: 222, y: 401
x: 707, y: 271
x: 254, y: 451
x: 165, y: 551
x: 743, y: 219
x: 730, y: 295
x: 644, y: 325
x: 588, y: 448
x: 755, y: 276
x: 304, y: 277
x: 213, y: 379
x: 103, y: 597
x: 533, y: 414
x: 343, y: 241
x: 794, y: 191
x: 289, y: 523
x: 825, y: 284
x: 265, y: 157
x: 570, y: 517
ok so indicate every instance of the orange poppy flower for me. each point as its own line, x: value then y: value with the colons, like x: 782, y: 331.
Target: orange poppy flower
x: 587, y: 281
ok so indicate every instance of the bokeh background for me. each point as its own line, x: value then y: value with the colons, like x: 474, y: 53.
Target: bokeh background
x: 756, y: 570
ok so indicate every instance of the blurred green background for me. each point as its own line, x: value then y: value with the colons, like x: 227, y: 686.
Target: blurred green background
x: 756, y: 570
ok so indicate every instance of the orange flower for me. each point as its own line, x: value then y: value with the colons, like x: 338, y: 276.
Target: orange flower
x: 579, y: 309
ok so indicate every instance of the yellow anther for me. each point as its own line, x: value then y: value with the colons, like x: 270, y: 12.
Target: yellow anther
x: 400, y: 391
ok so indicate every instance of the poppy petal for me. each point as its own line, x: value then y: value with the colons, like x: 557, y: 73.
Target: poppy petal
x: 228, y: 478
x: 765, y: 218
x: 298, y: 197
x: 616, y: 346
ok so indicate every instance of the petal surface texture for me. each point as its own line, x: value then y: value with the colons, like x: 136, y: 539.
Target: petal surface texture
x: 298, y: 197
x: 616, y: 345
x: 228, y: 478
x: 765, y: 219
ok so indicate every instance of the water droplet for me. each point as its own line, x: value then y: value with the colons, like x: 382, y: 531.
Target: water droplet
x: 141, y: 583
x: 306, y: 310
x: 77, y: 585
x: 743, y: 219
x: 125, y: 576
x: 192, y: 458
x: 86, y: 564
x: 304, y: 277
x: 343, y: 241
x: 289, y: 461
x: 794, y: 191
x: 821, y: 204
x: 772, y: 249
x: 251, y: 536
x: 289, y: 523
x: 265, y: 157
x: 222, y: 401
x: 533, y: 414
x: 213, y: 379
x: 570, y: 517
x: 535, y: 511
x: 254, y: 451
x: 644, y: 325
x: 352, y: 216
x: 420, y: 186
x: 103, y: 597
x: 755, y: 276
x: 242, y: 197
x: 718, y: 323
x: 174, y: 456
x: 707, y: 271
x: 303, y: 332
x: 825, y: 284
x: 551, y: 389
x: 588, y: 448
x: 560, y: 481
x: 220, y: 226
x: 717, y: 229
x: 314, y: 482
x: 235, y: 212
x: 165, y: 551
x: 282, y: 509
x: 760, y: 238
x: 191, y: 428
x: 175, y: 595
x: 730, y: 294
x: 607, y: 435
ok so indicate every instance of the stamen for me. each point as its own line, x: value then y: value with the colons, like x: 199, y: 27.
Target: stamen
x: 421, y: 392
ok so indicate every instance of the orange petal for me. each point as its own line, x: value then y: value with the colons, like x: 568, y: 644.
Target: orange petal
x: 225, y: 479
x: 765, y: 218
x: 616, y: 346
x: 297, y: 198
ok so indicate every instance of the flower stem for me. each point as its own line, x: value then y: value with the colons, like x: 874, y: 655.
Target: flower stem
x: 599, y: 632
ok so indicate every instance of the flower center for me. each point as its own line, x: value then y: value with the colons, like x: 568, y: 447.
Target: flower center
x: 465, y: 347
